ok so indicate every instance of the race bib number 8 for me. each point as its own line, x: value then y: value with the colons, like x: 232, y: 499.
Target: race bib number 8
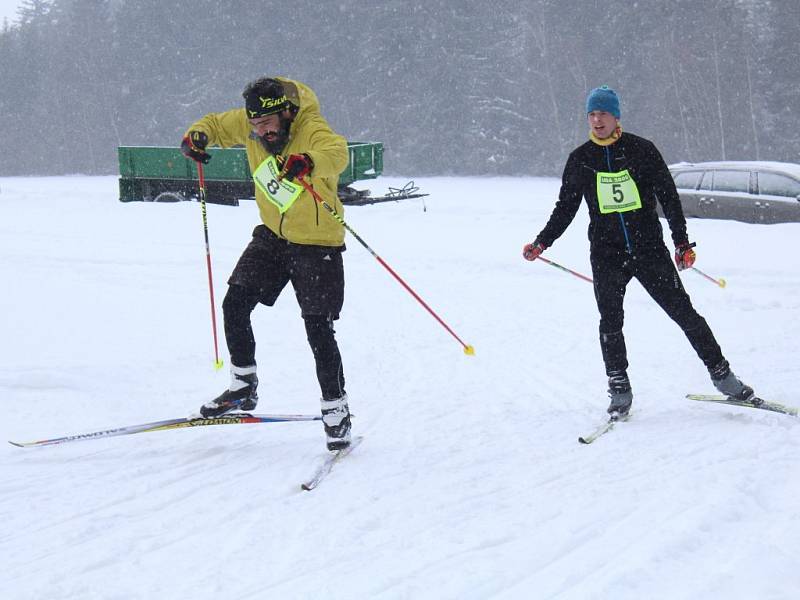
x: 617, y: 192
x: 281, y: 193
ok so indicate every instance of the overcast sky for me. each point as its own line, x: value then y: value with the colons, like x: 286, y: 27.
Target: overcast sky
x: 8, y: 8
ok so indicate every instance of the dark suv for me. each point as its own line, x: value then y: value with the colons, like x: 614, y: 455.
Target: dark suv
x: 753, y: 192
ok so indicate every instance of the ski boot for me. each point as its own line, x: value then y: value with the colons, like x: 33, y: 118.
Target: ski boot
x: 241, y: 395
x: 727, y: 383
x: 336, y: 419
x: 619, y: 391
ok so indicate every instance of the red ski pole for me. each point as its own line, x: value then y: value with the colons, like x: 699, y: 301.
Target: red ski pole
x: 201, y: 176
x: 321, y: 201
x: 720, y: 282
x: 570, y: 271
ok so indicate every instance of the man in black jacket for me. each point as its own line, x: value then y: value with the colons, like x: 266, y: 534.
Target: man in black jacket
x: 622, y: 176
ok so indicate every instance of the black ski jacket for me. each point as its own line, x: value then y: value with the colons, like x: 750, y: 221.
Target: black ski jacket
x: 636, y: 231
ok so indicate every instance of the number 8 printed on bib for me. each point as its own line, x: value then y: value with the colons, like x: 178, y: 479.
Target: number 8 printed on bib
x: 282, y: 193
x: 617, y: 192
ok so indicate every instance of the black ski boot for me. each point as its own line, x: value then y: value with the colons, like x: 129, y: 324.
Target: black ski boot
x: 619, y: 391
x: 336, y: 419
x: 241, y: 395
x: 727, y: 383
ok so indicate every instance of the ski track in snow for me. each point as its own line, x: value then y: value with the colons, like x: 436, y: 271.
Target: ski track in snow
x: 470, y: 482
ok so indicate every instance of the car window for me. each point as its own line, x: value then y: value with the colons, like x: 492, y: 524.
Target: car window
x: 688, y: 180
x: 708, y: 180
x: 732, y: 181
x: 772, y: 184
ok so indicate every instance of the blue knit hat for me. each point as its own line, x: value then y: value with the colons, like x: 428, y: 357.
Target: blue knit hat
x: 603, y: 98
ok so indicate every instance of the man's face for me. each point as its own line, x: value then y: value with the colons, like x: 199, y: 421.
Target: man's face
x: 602, y: 123
x: 272, y: 130
x: 267, y: 127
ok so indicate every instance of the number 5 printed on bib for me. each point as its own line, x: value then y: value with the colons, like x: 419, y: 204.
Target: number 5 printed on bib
x: 617, y: 192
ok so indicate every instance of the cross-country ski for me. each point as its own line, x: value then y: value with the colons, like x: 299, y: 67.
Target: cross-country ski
x: 328, y: 463
x: 180, y: 423
x: 602, y: 429
x: 758, y: 403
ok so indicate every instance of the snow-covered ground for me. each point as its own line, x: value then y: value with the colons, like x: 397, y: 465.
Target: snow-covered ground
x: 470, y: 482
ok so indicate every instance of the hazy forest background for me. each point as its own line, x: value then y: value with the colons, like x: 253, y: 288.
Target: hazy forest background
x: 450, y: 88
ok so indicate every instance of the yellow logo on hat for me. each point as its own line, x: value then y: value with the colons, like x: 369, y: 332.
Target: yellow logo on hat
x: 272, y: 102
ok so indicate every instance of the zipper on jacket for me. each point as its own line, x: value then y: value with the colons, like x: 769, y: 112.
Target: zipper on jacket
x: 621, y: 219
x: 280, y: 224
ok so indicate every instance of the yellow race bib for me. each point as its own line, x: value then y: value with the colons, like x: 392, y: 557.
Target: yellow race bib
x: 617, y: 192
x: 282, y: 193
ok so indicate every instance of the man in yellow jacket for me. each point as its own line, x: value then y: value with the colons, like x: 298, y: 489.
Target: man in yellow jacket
x: 286, y: 138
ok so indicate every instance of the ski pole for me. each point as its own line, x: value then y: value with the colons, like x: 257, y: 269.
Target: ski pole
x: 720, y: 282
x: 469, y: 350
x: 570, y: 271
x: 201, y: 176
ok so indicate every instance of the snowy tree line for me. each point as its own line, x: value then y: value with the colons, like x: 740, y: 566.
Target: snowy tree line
x: 449, y: 87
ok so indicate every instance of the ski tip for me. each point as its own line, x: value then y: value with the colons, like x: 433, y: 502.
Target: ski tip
x: 583, y: 440
x: 27, y: 444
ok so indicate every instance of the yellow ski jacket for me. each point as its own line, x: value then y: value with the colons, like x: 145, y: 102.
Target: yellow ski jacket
x: 305, y: 222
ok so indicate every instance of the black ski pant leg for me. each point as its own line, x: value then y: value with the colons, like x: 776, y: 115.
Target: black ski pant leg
x: 239, y: 302
x: 322, y: 339
x: 611, y: 277
x: 258, y: 277
x: 660, y: 279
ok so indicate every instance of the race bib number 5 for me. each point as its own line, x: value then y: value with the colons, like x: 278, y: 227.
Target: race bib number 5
x: 617, y: 192
x: 282, y: 193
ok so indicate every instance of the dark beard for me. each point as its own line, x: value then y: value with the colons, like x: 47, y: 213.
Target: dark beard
x: 277, y: 145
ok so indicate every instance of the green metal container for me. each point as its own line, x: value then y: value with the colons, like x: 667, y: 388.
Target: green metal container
x: 156, y: 173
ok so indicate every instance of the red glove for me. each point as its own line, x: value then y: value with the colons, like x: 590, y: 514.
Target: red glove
x: 297, y: 165
x: 533, y: 250
x: 684, y: 255
x: 194, y: 146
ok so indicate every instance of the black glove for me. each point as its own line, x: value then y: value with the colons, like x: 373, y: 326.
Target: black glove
x: 194, y: 145
x: 297, y: 165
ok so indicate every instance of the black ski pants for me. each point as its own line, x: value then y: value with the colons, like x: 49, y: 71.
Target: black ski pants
x: 612, y: 270
x: 316, y: 273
